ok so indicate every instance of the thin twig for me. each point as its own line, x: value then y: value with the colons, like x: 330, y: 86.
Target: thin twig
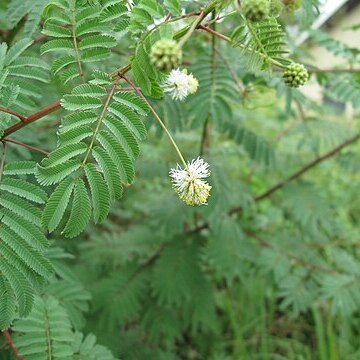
x: 10, y: 342
x: 194, y: 25
x: 12, y: 112
x: 156, y: 116
x: 7, y: 140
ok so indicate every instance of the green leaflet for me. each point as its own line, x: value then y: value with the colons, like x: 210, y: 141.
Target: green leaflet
x: 19, y: 73
x: 24, y: 189
x: 18, y: 9
x: 7, y: 304
x: 23, y: 264
x: 47, y: 334
x: 56, y: 205
x: 19, y: 168
x: 110, y: 172
x: 126, y: 289
x: 86, y: 347
x: 99, y: 193
x: 177, y: 273
x: 20, y: 286
x: 54, y: 174
x: 256, y: 146
x: 80, y: 212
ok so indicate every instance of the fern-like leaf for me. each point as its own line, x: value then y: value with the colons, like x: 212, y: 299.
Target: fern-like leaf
x: 109, y: 135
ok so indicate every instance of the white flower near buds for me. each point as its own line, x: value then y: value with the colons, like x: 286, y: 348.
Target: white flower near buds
x: 189, y: 184
x: 179, y: 84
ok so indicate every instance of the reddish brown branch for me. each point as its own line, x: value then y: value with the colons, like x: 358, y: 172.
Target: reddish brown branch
x: 25, y: 120
x: 10, y: 342
x: 26, y: 146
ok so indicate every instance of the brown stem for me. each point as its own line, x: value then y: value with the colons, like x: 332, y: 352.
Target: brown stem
x: 32, y: 117
x: 10, y: 342
x: 213, y: 32
x: 192, y: 28
x: 26, y: 146
x: 301, y: 171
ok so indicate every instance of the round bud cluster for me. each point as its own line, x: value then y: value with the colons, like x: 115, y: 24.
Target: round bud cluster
x: 292, y: 5
x: 296, y: 75
x: 256, y: 10
x: 166, y: 55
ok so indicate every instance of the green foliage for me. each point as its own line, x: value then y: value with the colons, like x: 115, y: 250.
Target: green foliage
x: 30, y: 9
x: 215, y: 96
x: 79, y: 34
x: 46, y: 333
x: 23, y: 243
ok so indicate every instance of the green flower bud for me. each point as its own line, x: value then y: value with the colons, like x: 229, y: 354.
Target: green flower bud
x: 166, y: 55
x: 296, y: 75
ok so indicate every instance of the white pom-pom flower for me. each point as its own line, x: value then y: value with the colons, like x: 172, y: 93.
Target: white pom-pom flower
x: 179, y: 84
x: 189, y: 183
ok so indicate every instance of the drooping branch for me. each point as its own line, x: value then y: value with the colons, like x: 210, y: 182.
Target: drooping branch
x: 10, y: 342
x: 301, y: 171
x: 288, y: 179
x: 298, y: 260
x: 308, y: 167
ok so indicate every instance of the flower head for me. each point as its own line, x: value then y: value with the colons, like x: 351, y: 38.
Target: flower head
x: 189, y: 184
x: 180, y: 84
